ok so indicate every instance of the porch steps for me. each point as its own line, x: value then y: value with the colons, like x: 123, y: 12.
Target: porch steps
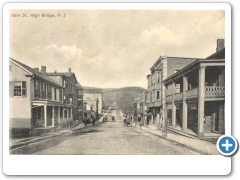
x: 186, y: 134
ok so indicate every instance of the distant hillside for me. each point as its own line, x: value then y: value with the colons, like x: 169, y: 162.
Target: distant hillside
x: 125, y: 96
x: 122, y: 97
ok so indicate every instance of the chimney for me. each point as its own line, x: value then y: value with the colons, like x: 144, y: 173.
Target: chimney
x: 55, y: 71
x: 43, y: 69
x: 36, y: 69
x: 220, y: 44
x: 69, y: 70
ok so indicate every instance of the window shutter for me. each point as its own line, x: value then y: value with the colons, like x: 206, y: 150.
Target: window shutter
x: 24, y: 88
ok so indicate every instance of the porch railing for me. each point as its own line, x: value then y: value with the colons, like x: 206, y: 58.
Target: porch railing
x: 214, y: 91
x: 178, y: 96
x: 192, y: 93
x: 169, y: 97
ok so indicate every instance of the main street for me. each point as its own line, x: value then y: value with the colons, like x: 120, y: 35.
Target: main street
x: 112, y: 138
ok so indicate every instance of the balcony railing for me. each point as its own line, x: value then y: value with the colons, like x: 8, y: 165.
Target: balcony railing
x: 169, y: 97
x: 214, y: 91
x: 178, y: 96
x: 192, y: 93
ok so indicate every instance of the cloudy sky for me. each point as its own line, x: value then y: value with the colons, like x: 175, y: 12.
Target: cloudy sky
x: 112, y: 48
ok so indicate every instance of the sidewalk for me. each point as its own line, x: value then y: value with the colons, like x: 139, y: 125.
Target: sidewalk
x: 203, y: 147
x: 21, y: 142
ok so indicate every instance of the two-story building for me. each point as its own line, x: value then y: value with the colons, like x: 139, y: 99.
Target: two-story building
x: 161, y: 69
x: 36, y: 100
x: 198, y: 106
x: 68, y: 81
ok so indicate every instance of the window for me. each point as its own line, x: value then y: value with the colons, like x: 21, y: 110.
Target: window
x: 158, y: 76
x: 71, y: 100
x: 55, y: 94
x: 64, y: 99
x: 79, y: 102
x: 36, y: 89
x: 60, y: 95
x: 79, y: 114
x: 19, y: 88
x: 65, y: 113
x: 43, y: 91
x: 158, y: 97
x: 79, y: 92
x: 49, y: 92
x: 64, y: 83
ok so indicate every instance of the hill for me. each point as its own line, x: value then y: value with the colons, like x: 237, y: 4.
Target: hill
x: 122, y: 97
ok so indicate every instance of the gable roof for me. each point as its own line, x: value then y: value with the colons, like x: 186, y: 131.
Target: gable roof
x: 218, y: 55
x: 35, y: 72
x: 78, y: 86
x: 66, y: 74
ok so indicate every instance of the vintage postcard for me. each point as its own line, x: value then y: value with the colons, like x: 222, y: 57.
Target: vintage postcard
x: 118, y: 80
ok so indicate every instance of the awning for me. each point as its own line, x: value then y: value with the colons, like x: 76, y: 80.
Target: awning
x: 35, y: 106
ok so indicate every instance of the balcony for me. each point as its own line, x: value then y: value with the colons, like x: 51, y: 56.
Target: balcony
x: 214, y: 91
x: 178, y: 96
x: 169, y: 98
x: 192, y: 93
x: 210, y: 92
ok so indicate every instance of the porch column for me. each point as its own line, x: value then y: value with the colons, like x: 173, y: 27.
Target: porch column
x: 184, y: 113
x: 201, y: 89
x: 45, y: 116
x: 53, y: 116
x: 173, y: 105
x: 59, y: 120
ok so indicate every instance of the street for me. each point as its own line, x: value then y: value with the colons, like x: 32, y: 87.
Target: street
x: 111, y: 138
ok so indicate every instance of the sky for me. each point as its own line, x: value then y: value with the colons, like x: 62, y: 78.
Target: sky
x: 111, y: 48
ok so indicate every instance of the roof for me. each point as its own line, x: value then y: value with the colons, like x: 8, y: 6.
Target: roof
x: 218, y: 55
x: 78, y: 86
x: 36, y: 73
x: 192, y: 66
x: 66, y: 74
x: 162, y: 57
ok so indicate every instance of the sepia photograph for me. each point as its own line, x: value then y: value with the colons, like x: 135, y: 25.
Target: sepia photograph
x: 116, y: 82
x: 137, y: 82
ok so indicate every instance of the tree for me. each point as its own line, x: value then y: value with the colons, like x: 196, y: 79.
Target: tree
x: 125, y: 101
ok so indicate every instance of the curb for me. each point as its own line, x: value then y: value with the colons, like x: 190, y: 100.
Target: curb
x: 181, y: 144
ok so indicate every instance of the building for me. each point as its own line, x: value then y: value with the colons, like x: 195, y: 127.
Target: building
x: 80, y: 104
x: 142, y: 111
x: 36, y: 100
x: 197, y: 107
x: 161, y: 69
x: 94, y: 98
x: 68, y: 81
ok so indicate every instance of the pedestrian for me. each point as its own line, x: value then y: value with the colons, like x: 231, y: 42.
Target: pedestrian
x: 93, y: 120
x: 85, y: 121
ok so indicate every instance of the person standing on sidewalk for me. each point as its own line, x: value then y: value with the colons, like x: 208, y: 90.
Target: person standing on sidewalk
x: 85, y: 121
x: 93, y: 120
